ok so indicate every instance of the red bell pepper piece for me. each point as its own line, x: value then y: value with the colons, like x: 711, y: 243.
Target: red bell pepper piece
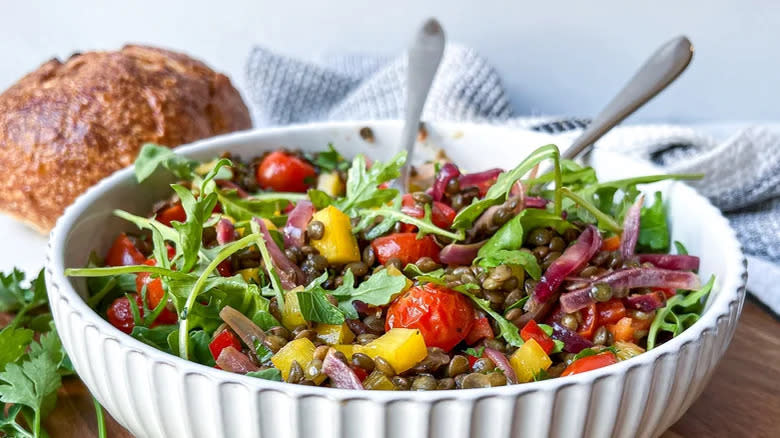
x: 590, y: 363
x: 223, y: 340
x: 124, y: 253
x: 442, y: 214
x: 589, y: 320
x: 611, y: 311
x: 173, y: 213
x: 531, y: 330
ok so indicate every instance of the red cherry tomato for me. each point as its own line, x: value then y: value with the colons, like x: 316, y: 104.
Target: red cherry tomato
x: 154, y: 294
x: 589, y: 320
x: 173, y: 213
x: 120, y: 314
x: 123, y: 253
x: 611, y: 311
x: 406, y: 247
x: 225, y: 339
x: 442, y: 214
x: 443, y: 316
x: 590, y: 363
x: 531, y: 330
x: 225, y: 269
x: 285, y: 173
x: 480, y: 330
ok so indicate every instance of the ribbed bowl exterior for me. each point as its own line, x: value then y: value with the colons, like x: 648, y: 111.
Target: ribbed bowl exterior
x: 153, y: 394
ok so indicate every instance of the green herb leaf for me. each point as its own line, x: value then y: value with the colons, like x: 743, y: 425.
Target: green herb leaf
x: 592, y: 352
x: 393, y: 214
x: 499, y: 191
x: 680, y: 312
x: 363, y: 184
x: 31, y: 383
x: 378, y: 290
x: 681, y: 249
x: 244, y: 209
x: 157, y: 337
x: 153, y: 156
x: 513, y: 257
x: 316, y: 307
x: 319, y: 198
x: 267, y: 374
x: 653, y: 227
x: 330, y: 160
x: 507, y: 330
x: 512, y: 234
x: 475, y: 353
x: 13, y: 344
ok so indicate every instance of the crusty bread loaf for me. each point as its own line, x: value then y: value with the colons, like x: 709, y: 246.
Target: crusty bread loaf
x: 66, y: 125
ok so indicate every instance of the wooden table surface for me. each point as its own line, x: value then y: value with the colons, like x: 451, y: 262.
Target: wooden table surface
x: 742, y: 399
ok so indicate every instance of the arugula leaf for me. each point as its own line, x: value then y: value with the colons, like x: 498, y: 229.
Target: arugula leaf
x: 680, y: 312
x: 153, y: 156
x: 518, y: 303
x: 475, y: 353
x: 244, y: 209
x: 267, y: 374
x: 393, y: 214
x: 511, y: 235
x: 156, y: 337
x: 513, y: 257
x: 540, y: 375
x: 592, y: 352
x: 264, y: 319
x: 13, y: 344
x: 316, y: 307
x: 500, y: 190
x: 30, y: 383
x: 330, y: 160
x: 681, y: 249
x: 507, y: 329
x: 379, y: 289
x: 319, y: 198
x: 197, y: 346
x: 653, y: 227
x: 363, y: 184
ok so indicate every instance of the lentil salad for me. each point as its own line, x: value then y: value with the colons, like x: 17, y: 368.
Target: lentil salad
x: 309, y: 269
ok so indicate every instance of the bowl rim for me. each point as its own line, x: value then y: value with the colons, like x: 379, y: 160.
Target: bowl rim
x: 732, y: 290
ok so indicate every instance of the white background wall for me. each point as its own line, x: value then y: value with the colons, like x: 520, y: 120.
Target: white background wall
x: 555, y: 56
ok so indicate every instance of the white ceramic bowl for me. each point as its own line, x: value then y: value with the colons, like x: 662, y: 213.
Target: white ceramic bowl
x: 155, y: 394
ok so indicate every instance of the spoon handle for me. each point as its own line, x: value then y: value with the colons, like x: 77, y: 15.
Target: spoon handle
x: 659, y: 70
x: 423, y: 58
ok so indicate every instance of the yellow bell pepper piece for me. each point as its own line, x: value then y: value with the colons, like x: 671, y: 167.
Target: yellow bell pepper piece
x: 291, y: 312
x: 250, y: 274
x: 337, y: 244
x: 300, y: 350
x: 402, y: 348
x: 332, y: 334
x: 378, y: 381
x: 347, y: 349
x: 270, y: 224
x: 330, y: 183
x: 528, y: 360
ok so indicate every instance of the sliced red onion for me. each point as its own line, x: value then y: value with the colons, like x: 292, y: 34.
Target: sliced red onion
x: 248, y: 331
x: 573, y: 342
x: 341, y: 375
x: 460, y: 254
x: 502, y: 363
x: 447, y: 172
x: 297, y: 221
x: 473, y: 179
x: 676, y: 262
x: 646, y: 302
x: 631, y: 229
x: 573, y: 259
x: 535, y: 202
x: 629, y: 279
x: 226, y: 232
x: 289, y: 273
x: 235, y: 361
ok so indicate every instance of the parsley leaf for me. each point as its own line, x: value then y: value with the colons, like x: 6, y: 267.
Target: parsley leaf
x: 267, y: 374
x: 653, y: 228
x: 152, y: 156
x: 363, y: 184
x: 30, y: 383
x: 13, y: 344
x: 379, y: 289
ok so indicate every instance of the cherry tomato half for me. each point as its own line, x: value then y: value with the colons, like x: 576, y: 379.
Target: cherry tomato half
x: 285, y: 173
x: 405, y: 247
x: 480, y: 330
x: 124, y: 253
x: 590, y: 363
x: 120, y: 314
x: 443, y: 316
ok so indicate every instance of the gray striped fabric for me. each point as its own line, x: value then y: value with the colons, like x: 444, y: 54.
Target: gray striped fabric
x: 743, y: 172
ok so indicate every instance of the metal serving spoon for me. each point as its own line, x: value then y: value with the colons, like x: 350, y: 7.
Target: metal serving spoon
x: 660, y: 70
x: 423, y: 57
